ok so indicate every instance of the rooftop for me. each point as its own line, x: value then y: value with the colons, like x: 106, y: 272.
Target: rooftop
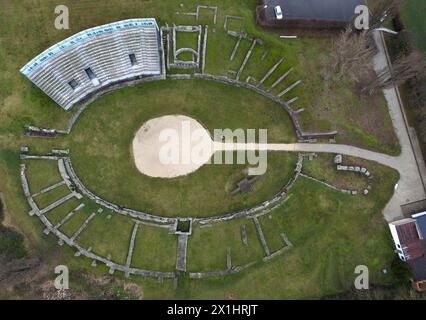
x: 407, y: 232
x: 415, y: 249
x: 421, y: 222
x: 419, y: 268
x: 332, y: 10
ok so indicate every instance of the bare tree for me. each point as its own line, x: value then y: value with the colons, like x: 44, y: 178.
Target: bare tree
x: 402, y: 70
x: 383, y: 10
x: 418, y: 92
x: 352, y: 54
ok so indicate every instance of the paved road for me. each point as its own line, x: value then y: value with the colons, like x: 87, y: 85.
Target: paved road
x: 410, y: 187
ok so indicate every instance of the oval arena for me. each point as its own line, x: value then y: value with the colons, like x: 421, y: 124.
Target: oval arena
x: 109, y: 198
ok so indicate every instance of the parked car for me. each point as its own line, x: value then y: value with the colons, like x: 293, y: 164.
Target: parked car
x: 278, y: 12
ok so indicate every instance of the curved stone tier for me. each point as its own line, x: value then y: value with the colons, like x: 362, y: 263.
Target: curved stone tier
x: 301, y: 135
x: 94, y: 58
x: 264, y: 206
x: 72, y: 241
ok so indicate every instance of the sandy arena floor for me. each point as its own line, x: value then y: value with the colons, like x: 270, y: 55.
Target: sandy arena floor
x: 166, y: 147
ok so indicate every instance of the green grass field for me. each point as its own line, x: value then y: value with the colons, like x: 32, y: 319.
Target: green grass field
x: 100, y: 144
x: 57, y: 214
x: 331, y: 232
x: 413, y: 16
x: 324, y: 169
x: 186, y: 40
x: 155, y: 249
x: 326, y: 108
x: 108, y: 236
x: 205, y: 253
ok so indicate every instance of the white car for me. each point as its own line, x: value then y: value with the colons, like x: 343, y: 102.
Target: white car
x: 278, y: 12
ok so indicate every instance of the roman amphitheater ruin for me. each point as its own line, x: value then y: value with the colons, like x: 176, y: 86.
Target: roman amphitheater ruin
x: 94, y: 62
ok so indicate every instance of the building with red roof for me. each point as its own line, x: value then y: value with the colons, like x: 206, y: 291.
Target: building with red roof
x: 409, y: 236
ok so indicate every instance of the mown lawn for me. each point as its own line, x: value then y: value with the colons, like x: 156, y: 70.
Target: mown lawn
x: 324, y: 169
x: 155, y: 249
x: 50, y: 197
x: 42, y: 174
x: 332, y: 233
x: 57, y: 214
x: 100, y: 145
x: 207, y: 253
x: 186, y: 40
x: 107, y: 236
